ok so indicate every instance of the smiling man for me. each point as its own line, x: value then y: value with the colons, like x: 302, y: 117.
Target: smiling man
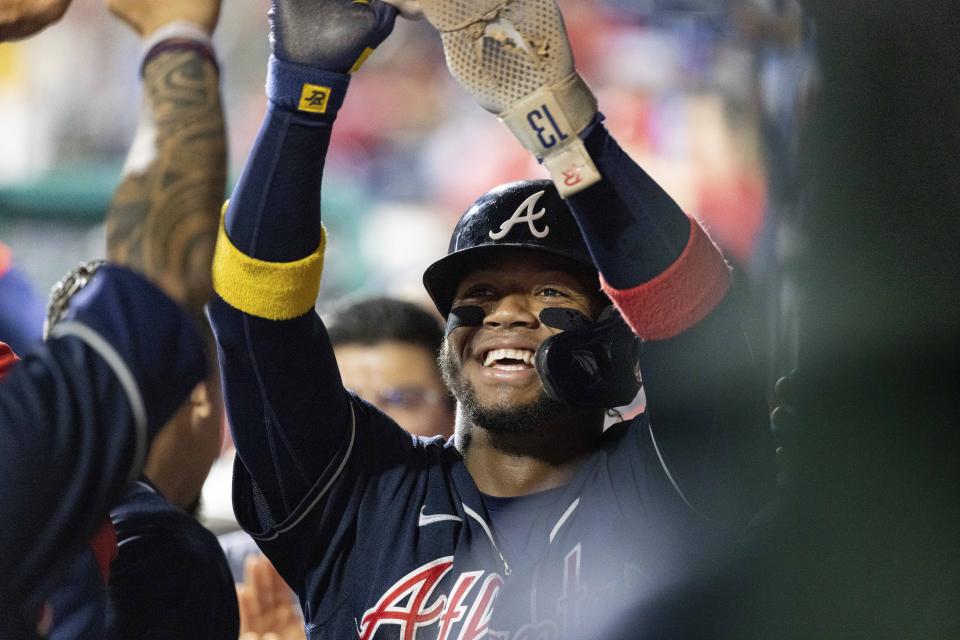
x: 533, y: 522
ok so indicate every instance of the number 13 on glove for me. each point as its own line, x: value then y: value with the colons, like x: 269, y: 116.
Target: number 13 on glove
x: 541, y: 124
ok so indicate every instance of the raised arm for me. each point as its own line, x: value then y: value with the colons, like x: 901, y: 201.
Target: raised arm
x: 163, y: 218
x: 165, y: 213
x: 708, y: 416
x: 657, y: 265
x: 290, y: 415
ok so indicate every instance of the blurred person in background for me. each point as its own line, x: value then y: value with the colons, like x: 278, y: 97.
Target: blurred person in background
x: 22, y: 18
x: 21, y: 309
x: 386, y: 350
x: 170, y: 578
x: 873, y: 548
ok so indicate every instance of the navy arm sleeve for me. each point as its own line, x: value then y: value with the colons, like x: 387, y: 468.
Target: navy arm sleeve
x: 709, y: 422
x: 77, y: 415
x: 286, y: 405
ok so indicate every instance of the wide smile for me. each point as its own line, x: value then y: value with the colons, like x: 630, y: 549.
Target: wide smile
x: 507, y: 365
x: 508, y: 359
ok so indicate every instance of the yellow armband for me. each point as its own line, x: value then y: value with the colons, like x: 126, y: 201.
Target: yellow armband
x: 271, y: 290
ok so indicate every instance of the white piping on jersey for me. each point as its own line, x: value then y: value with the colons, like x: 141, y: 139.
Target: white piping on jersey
x: 146, y: 486
x: 151, y: 490
x: 425, y: 519
x: 566, y: 514
x: 663, y: 464
x: 120, y: 369
x: 486, y: 529
x: 326, y: 487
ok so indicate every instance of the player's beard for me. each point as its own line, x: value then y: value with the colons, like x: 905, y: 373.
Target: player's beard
x: 500, y: 418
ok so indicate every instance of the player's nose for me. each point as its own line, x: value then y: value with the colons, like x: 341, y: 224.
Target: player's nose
x: 510, y: 312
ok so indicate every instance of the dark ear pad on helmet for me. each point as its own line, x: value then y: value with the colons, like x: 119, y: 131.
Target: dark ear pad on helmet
x: 590, y: 364
x: 464, y: 317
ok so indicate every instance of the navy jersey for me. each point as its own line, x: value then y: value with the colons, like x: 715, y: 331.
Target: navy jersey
x: 394, y: 540
x: 80, y: 604
x: 76, y: 418
x: 383, y: 535
x: 170, y: 578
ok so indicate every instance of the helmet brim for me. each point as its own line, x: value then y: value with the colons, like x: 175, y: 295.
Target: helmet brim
x: 442, y: 278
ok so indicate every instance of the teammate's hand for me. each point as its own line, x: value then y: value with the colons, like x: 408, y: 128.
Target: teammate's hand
x: 409, y: 9
x: 266, y: 604
x: 21, y: 18
x: 146, y: 16
x: 515, y: 59
x: 333, y: 35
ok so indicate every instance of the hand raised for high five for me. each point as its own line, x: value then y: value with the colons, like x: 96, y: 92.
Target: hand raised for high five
x: 146, y: 16
x: 333, y: 35
x: 21, y: 18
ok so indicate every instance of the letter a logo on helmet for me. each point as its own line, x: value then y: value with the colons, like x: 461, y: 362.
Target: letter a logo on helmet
x: 496, y: 222
x: 524, y: 213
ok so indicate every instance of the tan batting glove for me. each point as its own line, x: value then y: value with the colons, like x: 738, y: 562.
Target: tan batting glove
x: 514, y: 57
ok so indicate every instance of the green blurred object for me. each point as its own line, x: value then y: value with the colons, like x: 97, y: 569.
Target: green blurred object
x: 79, y: 195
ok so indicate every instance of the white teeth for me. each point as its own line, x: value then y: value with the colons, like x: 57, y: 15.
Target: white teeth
x: 524, y: 355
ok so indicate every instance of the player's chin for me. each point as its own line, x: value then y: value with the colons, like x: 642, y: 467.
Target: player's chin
x: 507, y: 396
x: 510, y: 412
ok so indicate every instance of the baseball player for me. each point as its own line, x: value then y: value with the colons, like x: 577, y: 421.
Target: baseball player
x: 168, y: 577
x: 532, y: 522
x: 386, y: 351
x: 76, y: 417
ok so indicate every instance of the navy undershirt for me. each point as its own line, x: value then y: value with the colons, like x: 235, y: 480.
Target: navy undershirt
x: 512, y: 520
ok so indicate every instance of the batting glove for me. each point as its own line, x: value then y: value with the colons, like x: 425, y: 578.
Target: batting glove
x: 316, y: 45
x: 514, y: 57
x: 333, y: 35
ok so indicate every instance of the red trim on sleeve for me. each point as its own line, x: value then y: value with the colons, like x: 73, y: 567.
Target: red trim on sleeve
x: 680, y: 297
x: 104, y: 547
x: 7, y: 358
x: 6, y: 258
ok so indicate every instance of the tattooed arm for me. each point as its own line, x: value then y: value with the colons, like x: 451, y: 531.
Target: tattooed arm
x: 165, y: 214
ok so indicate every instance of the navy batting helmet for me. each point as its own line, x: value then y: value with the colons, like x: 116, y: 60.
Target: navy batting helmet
x: 528, y: 214
x: 592, y: 363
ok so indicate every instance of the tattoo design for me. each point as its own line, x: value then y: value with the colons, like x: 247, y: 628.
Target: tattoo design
x: 164, y: 216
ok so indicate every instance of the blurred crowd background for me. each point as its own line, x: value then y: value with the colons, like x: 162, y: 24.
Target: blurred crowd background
x: 705, y: 94
x: 851, y: 227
